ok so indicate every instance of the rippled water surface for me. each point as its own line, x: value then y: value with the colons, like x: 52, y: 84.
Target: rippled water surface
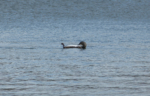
x: 33, y: 63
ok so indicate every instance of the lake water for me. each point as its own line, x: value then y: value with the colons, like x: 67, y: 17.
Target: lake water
x: 115, y: 63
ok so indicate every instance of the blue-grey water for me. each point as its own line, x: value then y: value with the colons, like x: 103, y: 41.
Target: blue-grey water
x: 116, y: 61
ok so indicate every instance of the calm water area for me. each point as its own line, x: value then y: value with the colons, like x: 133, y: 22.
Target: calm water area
x: 116, y: 61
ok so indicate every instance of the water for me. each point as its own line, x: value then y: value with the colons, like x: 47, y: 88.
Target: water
x: 115, y: 62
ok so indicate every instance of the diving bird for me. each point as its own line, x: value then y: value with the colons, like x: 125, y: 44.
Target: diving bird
x: 82, y: 45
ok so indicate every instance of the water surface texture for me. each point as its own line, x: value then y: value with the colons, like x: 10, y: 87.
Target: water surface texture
x: 115, y: 63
